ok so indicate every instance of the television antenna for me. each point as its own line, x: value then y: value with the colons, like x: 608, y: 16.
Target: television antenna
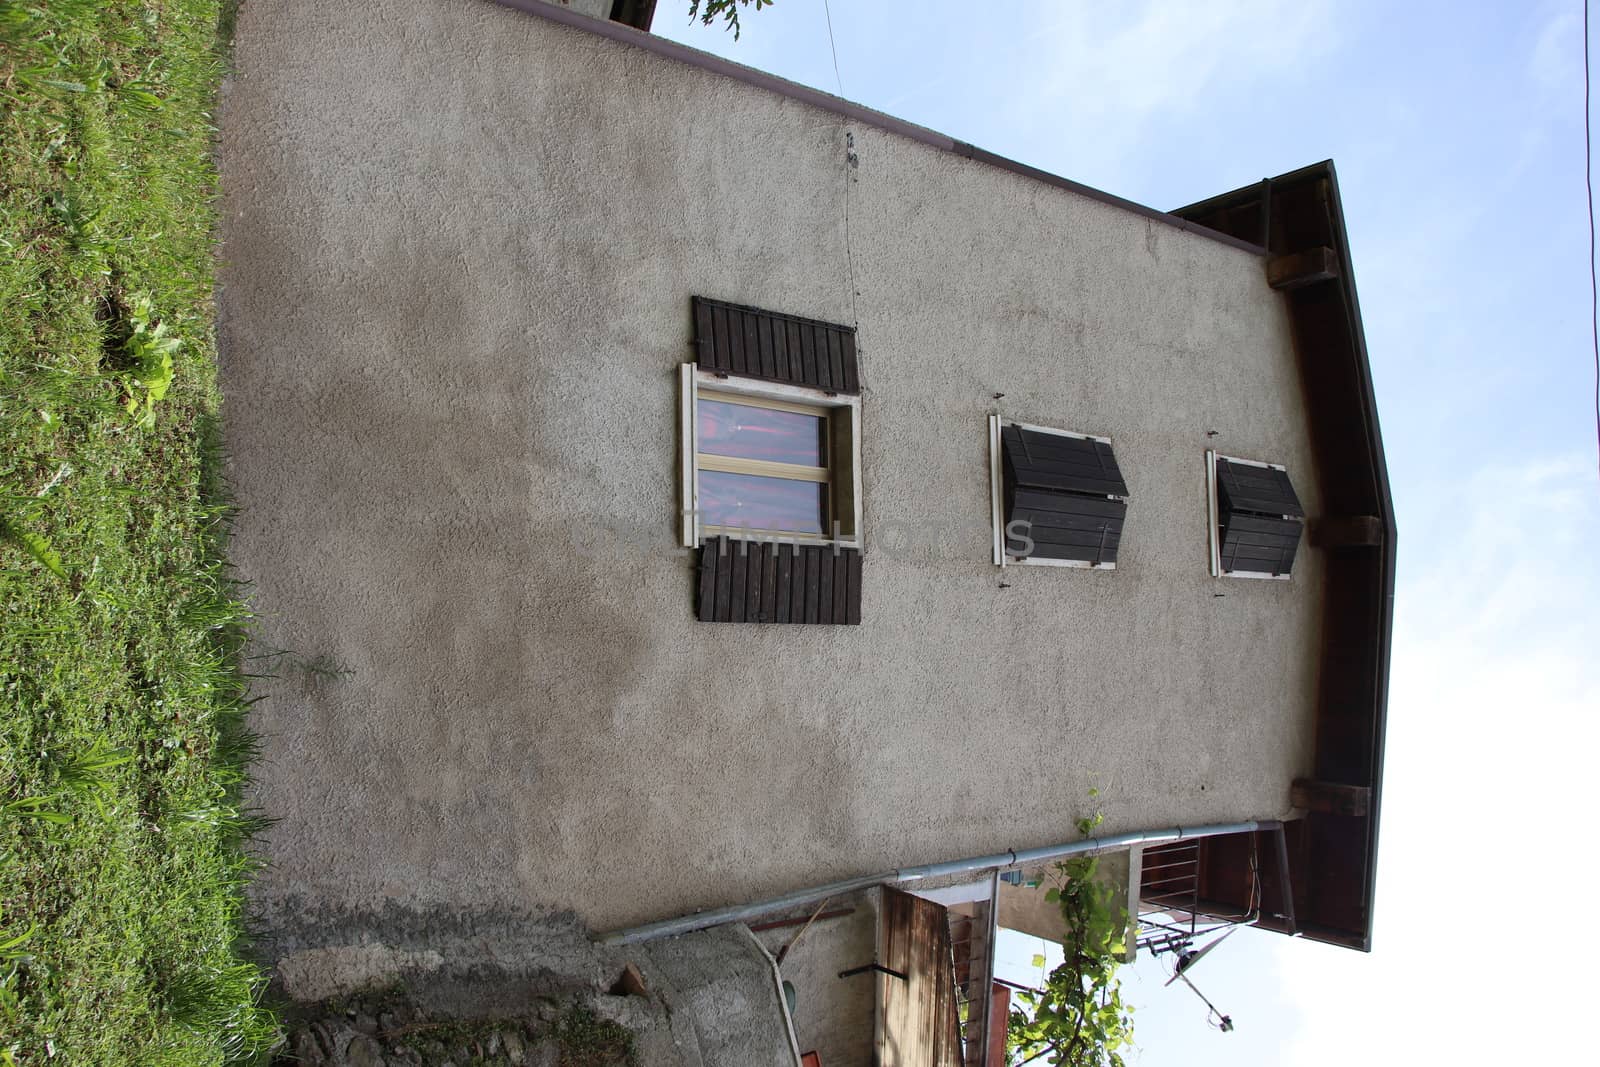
x: 1186, y: 963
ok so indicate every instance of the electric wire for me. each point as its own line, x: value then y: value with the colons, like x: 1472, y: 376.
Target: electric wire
x: 840, y: 81
x: 1588, y: 180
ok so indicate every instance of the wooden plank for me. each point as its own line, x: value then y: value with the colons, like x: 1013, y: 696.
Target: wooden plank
x: 836, y: 359
x: 739, y: 568
x: 705, y: 348
x: 841, y: 586
x: 824, y: 586
x: 797, y: 595
x: 1066, y: 482
x: 852, y: 616
x: 769, y: 582
x: 752, y: 584
x: 1045, y: 550
x: 813, y: 579
x: 1331, y: 798
x: 738, y: 361
x: 797, y: 370
x: 1347, y: 531
x: 824, y: 360
x: 706, y: 600
x: 1302, y: 268
x: 723, y: 611
x: 780, y: 349
x: 721, y: 338
x: 920, y: 1021
x: 1089, y: 539
x: 852, y: 372
x: 808, y: 355
x: 1065, y: 519
x: 769, y: 364
x: 783, y: 581
x: 1029, y: 499
x: 752, y: 344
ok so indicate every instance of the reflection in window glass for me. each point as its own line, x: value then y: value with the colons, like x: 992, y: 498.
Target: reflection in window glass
x: 753, y: 502
x: 761, y: 433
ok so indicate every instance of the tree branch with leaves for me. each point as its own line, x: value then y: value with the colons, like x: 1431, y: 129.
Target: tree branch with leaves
x: 1078, y: 1019
x: 708, y: 11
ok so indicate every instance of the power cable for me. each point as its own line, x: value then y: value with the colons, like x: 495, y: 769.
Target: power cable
x: 1588, y: 180
x: 840, y: 81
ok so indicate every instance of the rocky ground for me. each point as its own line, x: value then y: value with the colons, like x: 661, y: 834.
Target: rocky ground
x: 391, y: 1029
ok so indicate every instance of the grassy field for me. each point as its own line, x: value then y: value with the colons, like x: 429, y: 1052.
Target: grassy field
x: 122, y: 747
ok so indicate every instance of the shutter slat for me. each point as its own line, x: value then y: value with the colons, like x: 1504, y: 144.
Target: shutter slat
x: 824, y: 378
x: 738, y: 567
x: 1070, y: 503
x: 836, y: 359
x: 724, y: 551
x: 723, y: 358
x: 769, y: 363
x: 706, y: 601
x: 808, y: 355
x: 705, y: 335
x: 1046, y: 550
x: 752, y: 344
x: 824, y: 586
x: 812, y: 579
x: 796, y: 365
x: 852, y: 380
x: 783, y: 578
x: 852, y: 610
x: 752, y: 582
x: 841, y: 587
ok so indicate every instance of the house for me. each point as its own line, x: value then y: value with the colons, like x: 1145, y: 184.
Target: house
x: 669, y: 489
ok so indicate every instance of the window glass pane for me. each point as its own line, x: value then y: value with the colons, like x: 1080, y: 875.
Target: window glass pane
x: 753, y: 502
x: 761, y: 433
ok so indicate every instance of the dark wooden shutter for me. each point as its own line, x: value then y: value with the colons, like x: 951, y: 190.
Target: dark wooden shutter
x: 761, y: 581
x: 1260, y: 516
x: 749, y: 342
x: 1068, y: 490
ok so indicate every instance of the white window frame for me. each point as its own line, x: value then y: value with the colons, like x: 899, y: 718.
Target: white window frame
x: 1214, y: 516
x: 1002, y: 558
x: 691, y: 378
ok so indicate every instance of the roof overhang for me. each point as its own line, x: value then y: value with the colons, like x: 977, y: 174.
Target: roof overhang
x: 1333, y: 850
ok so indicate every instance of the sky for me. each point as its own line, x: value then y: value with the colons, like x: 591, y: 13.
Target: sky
x: 1457, y: 129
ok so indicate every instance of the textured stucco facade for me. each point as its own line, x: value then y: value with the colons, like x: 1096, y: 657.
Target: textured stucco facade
x: 459, y: 244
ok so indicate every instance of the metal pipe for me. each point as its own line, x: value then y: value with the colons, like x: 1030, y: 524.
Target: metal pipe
x: 1010, y: 858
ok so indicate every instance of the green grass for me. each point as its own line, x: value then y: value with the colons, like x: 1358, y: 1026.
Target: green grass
x: 122, y: 740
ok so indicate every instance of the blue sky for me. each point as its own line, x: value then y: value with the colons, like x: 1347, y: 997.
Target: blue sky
x: 1458, y: 132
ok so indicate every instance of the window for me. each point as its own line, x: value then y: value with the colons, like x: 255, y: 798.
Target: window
x: 1058, y: 497
x: 1255, y: 519
x: 763, y: 465
x: 770, y: 467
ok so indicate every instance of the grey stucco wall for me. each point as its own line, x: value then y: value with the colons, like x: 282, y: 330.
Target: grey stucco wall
x: 459, y: 244
x: 834, y: 1017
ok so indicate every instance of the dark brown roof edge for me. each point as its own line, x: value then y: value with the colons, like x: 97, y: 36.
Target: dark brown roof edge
x: 1380, y: 474
x: 650, y: 42
x: 1374, y: 461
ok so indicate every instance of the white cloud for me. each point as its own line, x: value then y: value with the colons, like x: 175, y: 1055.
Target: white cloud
x: 1494, y: 723
x: 1491, y: 742
x: 1556, y: 62
x: 1115, y: 69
